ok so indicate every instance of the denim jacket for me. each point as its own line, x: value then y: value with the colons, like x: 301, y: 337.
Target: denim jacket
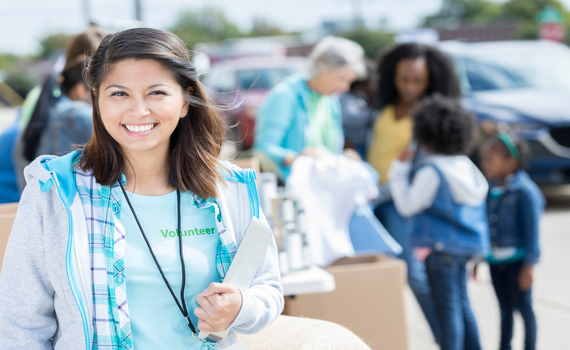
x: 514, y: 217
x: 70, y: 123
x: 449, y: 227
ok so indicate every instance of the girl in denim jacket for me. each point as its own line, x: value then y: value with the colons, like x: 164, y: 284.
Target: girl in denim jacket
x: 444, y: 194
x: 514, y: 206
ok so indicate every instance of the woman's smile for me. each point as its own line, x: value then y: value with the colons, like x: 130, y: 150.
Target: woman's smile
x: 138, y: 129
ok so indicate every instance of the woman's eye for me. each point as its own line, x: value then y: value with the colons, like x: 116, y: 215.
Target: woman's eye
x: 119, y: 93
x: 157, y: 92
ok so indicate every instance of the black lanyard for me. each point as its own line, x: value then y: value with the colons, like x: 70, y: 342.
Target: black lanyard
x: 182, y: 306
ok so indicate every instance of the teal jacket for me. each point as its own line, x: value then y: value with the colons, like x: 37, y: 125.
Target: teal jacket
x: 282, y: 121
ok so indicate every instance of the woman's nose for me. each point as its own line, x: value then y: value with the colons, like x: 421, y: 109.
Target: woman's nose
x: 139, y: 108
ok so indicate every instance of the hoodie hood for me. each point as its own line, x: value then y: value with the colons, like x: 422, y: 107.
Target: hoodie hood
x: 467, y: 184
x: 47, y: 169
x: 37, y: 171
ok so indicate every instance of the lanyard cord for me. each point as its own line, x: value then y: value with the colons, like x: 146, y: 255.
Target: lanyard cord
x: 182, y: 307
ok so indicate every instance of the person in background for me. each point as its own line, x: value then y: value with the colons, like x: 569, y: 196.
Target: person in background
x: 445, y: 201
x: 407, y: 74
x: 58, y: 117
x: 81, y: 44
x: 356, y: 113
x: 301, y: 114
x: 514, y: 206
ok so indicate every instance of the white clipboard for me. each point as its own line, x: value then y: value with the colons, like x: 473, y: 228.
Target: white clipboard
x: 245, y: 263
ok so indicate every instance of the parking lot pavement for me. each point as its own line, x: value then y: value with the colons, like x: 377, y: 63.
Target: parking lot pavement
x: 551, y: 290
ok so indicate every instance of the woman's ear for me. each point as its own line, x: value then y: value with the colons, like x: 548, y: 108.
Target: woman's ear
x: 186, y: 106
x: 185, y: 109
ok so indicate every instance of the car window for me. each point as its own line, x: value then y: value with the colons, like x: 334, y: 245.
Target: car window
x: 262, y: 78
x: 484, y: 76
x: 531, y: 65
x: 221, y: 79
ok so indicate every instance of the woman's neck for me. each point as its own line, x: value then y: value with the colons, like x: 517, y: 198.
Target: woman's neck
x: 147, y: 174
x: 403, y: 109
x: 315, y: 85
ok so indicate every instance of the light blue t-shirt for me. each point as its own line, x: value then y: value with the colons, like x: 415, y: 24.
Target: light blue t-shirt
x: 156, y: 321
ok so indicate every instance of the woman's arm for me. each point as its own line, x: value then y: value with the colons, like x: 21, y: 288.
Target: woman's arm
x: 27, y: 317
x: 273, y: 122
x: 415, y: 197
x: 263, y: 301
x: 224, y: 305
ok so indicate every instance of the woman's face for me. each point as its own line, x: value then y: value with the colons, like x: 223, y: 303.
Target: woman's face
x: 411, y: 79
x: 140, y: 104
x: 337, y: 80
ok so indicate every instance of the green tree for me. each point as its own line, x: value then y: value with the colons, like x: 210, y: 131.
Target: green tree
x: 7, y: 61
x: 21, y: 82
x: 372, y: 41
x: 53, y: 44
x: 526, y: 11
x: 463, y: 11
x: 262, y: 27
x: 206, y: 26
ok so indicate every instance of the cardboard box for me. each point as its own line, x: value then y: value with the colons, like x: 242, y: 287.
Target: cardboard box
x: 7, y: 216
x: 8, y: 208
x: 368, y: 299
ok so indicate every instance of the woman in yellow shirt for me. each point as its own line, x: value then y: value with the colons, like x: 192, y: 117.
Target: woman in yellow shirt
x: 408, y: 73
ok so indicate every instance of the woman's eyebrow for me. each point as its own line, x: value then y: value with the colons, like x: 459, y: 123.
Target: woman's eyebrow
x: 160, y: 84
x: 116, y: 86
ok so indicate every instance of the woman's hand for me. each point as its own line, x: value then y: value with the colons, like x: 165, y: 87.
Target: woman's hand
x: 308, y: 151
x: 421, y: 253
x: 526, y: 277
x: 219, y: 306
x: 352, y: 154
x: 406, y: 155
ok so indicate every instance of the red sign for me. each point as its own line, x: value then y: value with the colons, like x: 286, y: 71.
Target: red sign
x: 552, y: 31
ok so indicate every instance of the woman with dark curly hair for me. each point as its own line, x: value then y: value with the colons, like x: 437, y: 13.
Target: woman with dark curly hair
x: 445, y: 201
x: 407, y: 73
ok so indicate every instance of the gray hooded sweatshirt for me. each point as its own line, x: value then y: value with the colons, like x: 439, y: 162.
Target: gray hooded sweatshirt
x: 45, y: 285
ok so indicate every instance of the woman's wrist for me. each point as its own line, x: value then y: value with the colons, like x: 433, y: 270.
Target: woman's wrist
x: 287, y: 161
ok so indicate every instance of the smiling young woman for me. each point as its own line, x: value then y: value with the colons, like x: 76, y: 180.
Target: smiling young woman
x: 134, y: 233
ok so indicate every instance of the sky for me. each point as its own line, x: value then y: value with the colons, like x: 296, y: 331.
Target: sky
x: 24, y: 22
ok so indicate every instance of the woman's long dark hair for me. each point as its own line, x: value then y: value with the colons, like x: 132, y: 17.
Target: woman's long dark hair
x: 196, y: 142
x: 442, y: 77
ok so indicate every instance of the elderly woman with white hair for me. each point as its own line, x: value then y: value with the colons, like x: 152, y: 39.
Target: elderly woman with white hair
x: 301, y: 115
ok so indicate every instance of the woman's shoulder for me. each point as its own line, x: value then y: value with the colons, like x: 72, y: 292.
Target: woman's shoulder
x: 47, y: 183
x: 234, y: 173
x: 47, y: 169
x: 290, y: 88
